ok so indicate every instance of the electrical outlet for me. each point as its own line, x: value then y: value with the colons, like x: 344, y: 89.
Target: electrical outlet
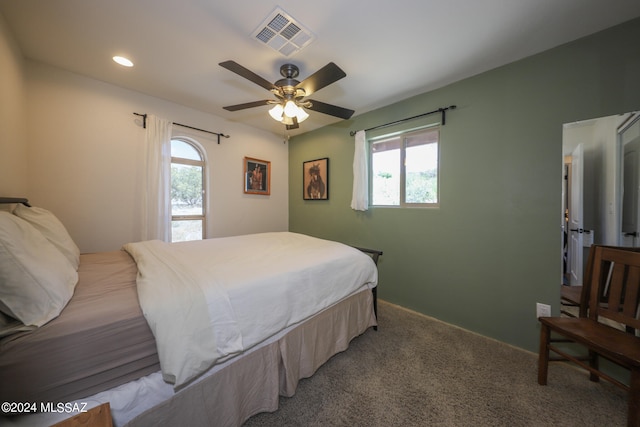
x: 543, y: 310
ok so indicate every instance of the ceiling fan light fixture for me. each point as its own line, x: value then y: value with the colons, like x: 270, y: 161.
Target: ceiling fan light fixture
x: 287, y: 120
x: 285, y: 114
x: 302, y: 115
x: 276, y: 112
x: 291, y: 109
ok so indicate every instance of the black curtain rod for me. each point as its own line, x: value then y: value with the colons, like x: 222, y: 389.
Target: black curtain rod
x: 144, y: 125
x: 439, y: 110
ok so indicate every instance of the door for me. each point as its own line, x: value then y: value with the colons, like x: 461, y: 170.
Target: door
x: 576, y: 216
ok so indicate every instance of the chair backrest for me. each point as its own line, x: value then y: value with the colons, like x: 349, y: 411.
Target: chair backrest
x: 585, y: 295
x: 615, y: 286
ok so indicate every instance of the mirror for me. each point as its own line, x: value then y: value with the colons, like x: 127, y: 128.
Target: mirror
x: 600, y: 188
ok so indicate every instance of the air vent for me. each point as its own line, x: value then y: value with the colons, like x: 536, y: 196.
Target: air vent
x: 282, y: 33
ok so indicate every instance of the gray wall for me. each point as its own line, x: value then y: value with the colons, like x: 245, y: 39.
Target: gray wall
x: 492, y: 250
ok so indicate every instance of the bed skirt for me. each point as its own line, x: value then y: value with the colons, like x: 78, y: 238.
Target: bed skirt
x: 253, y: 383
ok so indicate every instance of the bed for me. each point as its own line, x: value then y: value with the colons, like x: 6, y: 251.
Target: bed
x: 195, y: 333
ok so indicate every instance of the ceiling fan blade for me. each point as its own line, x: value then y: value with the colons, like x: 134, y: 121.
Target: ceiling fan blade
x: 247, y: 74
x: 247, y: 105
x: 326, y: 75
x: 329, y: 109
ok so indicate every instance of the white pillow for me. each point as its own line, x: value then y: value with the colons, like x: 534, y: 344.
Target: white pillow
x: 36, y: 280
x: 51, y: 227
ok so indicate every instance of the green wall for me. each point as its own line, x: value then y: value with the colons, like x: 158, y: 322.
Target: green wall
x: 492, y: 249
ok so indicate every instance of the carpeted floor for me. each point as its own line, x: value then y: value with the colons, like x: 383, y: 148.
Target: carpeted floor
x: 417, y: 371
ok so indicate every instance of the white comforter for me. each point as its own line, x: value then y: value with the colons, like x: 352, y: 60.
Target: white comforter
x: 209, y: 300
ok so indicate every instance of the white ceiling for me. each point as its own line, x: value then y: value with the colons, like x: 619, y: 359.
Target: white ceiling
x: 390, y: 50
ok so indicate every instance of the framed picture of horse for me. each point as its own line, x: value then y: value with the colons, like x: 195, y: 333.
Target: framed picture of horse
x: 315, y: 179
x: 257, y: 176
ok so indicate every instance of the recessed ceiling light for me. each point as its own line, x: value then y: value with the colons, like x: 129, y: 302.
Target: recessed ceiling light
x: 123, y: 61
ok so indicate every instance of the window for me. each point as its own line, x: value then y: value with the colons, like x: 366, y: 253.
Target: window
x: 187, y: 191
x: 404, y: 169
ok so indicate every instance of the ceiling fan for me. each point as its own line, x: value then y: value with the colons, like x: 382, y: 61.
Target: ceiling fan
x: 288, y: 106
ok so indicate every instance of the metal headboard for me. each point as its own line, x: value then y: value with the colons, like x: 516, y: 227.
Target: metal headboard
x: 9, y: 200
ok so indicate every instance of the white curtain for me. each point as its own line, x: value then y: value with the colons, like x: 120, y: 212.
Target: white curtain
x: 156, y: 209
x: 360, y: 196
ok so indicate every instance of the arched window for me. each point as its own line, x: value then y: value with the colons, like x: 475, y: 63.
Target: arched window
x: 188, y: 191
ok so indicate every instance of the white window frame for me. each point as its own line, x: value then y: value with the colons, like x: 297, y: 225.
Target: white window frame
x: 402, y: 135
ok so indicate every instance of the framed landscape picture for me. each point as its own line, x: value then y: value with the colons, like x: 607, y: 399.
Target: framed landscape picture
x: 315, y: 179
x: 257, y: 176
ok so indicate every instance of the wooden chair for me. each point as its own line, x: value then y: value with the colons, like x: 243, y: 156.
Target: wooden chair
x: 578, y: 296
x: 614, y: 294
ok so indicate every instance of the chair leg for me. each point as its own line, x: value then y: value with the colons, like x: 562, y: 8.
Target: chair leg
x: 594, y: 362
x: 633, y: 416
x: 543, y: 355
